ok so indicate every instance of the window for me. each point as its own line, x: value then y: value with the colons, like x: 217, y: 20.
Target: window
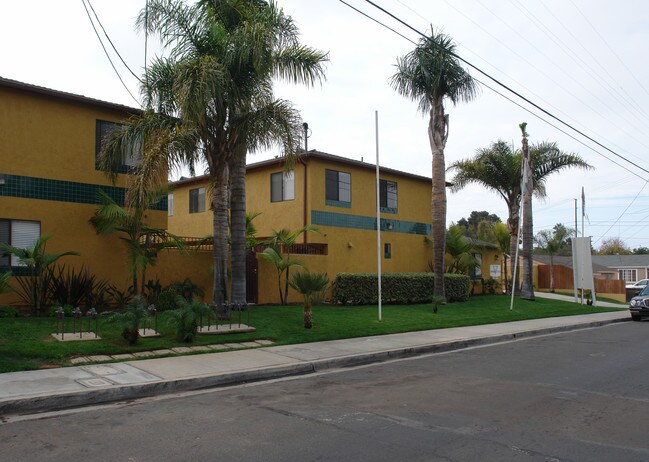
x: 282, y: 186
x: 196, y: 200
x: 629, y: 275
x: 170, y: 205
x: 18, y: 233
x: 475, y: 272
x: 338, y: 188
x: 388, y: 196
x: 387, y: 251
x: 105, y: 128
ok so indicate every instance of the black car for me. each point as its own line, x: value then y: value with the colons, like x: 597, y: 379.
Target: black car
x: 639, y: 305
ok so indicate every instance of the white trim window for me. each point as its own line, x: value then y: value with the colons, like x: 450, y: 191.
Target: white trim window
x: 18, y: 233
x: 282, y: 186
x: 629, y: 275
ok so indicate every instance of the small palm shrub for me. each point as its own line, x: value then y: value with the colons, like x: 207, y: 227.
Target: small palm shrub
x: 131, y: 319
x: 311, y: 286
x: 4, y: 282
x: 187, y: 318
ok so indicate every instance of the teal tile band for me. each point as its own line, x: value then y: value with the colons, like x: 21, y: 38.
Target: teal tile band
x: 343, y: 220
x: 346, y: 205
x: 63, y: 191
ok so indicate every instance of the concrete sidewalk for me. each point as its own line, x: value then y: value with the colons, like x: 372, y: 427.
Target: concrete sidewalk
x: 53, y: 389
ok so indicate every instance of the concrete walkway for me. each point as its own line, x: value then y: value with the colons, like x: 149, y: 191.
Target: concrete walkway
x: 52, y: 389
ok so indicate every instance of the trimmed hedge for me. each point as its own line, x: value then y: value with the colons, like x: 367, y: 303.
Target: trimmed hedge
x: 397, y: 288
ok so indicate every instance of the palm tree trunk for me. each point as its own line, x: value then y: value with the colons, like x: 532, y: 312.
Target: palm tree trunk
x: 437, y: 135
x: 308, y: 316
x: 220, y: 229
x: 512, y: 225
x: 238, y: 225
x: 527, y: 287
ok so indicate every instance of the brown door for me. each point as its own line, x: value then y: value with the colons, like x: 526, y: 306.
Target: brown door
x: 251, y: 278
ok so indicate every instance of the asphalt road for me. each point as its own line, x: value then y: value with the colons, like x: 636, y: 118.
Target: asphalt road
x: 578, y: 396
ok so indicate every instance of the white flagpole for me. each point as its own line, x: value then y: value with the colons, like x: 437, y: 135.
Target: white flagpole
x: 378, y: 211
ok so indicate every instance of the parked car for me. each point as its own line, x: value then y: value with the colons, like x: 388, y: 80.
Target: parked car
x: 641, y: 284
x: 639, y: 305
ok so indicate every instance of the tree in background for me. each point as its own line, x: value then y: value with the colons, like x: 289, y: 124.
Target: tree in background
x: 429, y: 74
x: 477, y: 225
x: 502, y: 236
x: 551, y: 242
x: 641, y: 251
x: 613, y: 246
x: 498, y: 168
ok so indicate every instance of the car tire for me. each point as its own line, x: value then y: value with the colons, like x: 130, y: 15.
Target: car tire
x: 636, y: 317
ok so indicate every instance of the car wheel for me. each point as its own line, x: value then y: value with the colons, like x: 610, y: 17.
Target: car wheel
x: 636, y: 317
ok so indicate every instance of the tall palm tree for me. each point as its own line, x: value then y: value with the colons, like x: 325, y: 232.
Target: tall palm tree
x: 212, y: 101
x: 498, y: 168
x: 429, y: 74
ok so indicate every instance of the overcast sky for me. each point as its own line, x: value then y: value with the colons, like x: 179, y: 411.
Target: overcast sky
x: 584, y: 61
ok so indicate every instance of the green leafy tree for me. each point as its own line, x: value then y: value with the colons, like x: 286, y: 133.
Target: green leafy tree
x: 311, y: 286
x: 641, y: 251
x: 430, y: 74
x: 143, y: 242
x: 498, y: 168
x: 613, y: 246
x: 459, y: 252
x: 478, y: 223
x: 34, y: 286
x: 552, y: 241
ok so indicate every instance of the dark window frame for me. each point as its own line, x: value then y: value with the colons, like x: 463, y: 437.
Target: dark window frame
x: 387, y: 203
x: 334, y: 186
x: 281, y: 195
x: 5, y: 261
x: 387, y: 250
x: 195, y: 205
x: 102, y: 129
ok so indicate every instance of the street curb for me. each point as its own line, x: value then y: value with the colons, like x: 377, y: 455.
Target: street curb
x: 45, y: 403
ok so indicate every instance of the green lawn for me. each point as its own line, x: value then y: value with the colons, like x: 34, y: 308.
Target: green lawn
x: 25, y: 343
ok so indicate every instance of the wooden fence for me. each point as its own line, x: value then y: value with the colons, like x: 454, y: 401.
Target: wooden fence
x: 563, y: 279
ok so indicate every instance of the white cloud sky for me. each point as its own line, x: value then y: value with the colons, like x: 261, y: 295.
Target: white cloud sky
x: 583, y: 60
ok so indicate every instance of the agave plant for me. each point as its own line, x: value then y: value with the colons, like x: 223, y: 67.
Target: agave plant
x: 310, y: 286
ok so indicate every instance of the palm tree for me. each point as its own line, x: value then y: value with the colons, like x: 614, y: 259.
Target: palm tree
x: 552, y: 241
x: 428, y: 74
x: 498, y: 168
x: 459, y: 251
x: 137, y: 235
x: 502, y: 237
x: 212, y: 101
x: 311, y: 286
x: 282, y: 242
x: 34, y: 286
x: 282, y: 263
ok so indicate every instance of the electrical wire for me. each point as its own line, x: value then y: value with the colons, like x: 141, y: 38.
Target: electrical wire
x: 111, y: 42
x: 106, y: 52
x: 501, y: 84
x: 622, y: 214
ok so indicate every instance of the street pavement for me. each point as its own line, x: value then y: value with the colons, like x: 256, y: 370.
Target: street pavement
x: 69, y: 387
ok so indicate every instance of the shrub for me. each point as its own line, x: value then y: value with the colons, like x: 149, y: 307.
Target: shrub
x: 131, y: 319
x: 167, y: 300
x: 74, y: 287
x: 188, y: 289
x: 490, y: 286
x: 67, y: 310
x: 187, y: 318
x: 8, y: 312
x: 398, y: 288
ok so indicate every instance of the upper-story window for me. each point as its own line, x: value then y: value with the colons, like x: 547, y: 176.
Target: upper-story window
x: 282, y: 186
x: 104, y: 128
x: 388, y: 196
x: 170, y: 205
x: 196, y: 200
x: 338, y: 188
x: 18, y: 233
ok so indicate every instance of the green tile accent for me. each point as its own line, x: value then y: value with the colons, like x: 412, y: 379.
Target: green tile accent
x: 343, y: 220
x: 389, y: 210
x: 346, y: 205
x: 63, y: 191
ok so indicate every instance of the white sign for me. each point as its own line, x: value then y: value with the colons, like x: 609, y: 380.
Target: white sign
x: 494, y: 271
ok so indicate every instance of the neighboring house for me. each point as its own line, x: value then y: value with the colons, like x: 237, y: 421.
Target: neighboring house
x: 49, y: 141
x: 337, y: 195
x: 599, y: 271
x: 630, y: 268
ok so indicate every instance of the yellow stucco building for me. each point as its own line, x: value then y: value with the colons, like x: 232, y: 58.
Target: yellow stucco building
x: 49, y: 141
x: 337, y: 195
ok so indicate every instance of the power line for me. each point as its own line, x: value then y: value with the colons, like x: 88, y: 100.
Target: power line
x: 499, y: 83
x: 111, y: 42
x: 106, y: 52
x: 622, y: 214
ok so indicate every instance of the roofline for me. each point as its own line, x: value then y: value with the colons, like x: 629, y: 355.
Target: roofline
x: 313, y: 154
x: 14, y: 84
